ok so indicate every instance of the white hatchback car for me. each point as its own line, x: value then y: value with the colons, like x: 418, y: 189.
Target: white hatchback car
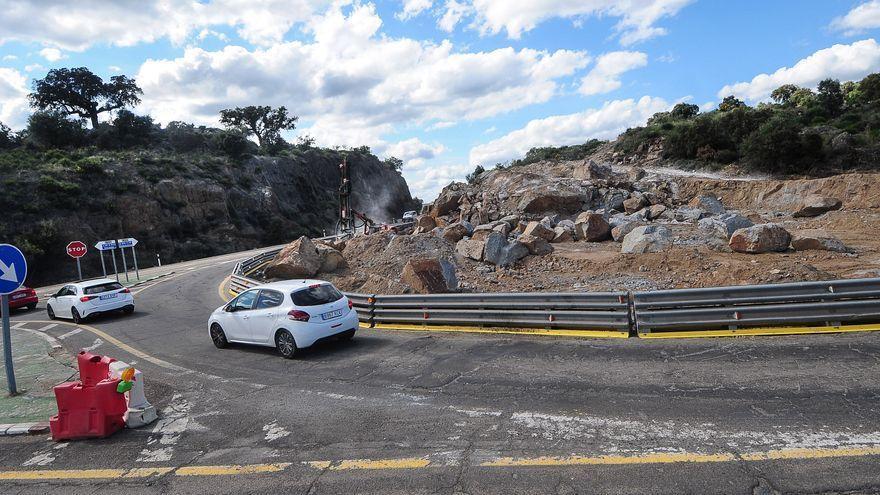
x: 288, y: 315
x: 81, y: 300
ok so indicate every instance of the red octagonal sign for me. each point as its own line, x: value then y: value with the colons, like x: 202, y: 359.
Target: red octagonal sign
x: 76, y: 249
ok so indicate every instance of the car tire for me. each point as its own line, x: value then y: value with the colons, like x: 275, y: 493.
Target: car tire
x: 218, y: 336
x: 50, y: 312
x: 32, y: 306
x: 128, y: 310
x: 75, y: 315
x: 285, y: 344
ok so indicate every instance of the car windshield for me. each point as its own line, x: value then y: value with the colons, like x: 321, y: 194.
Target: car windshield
x: 316, y: 295
x: 97, y: 289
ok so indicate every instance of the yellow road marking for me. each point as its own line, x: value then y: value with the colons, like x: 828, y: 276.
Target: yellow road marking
x: 612, y: 334
x: 118, y: 343
x: 424, y: 462
x: 761, y: 331
x: 220, y: 288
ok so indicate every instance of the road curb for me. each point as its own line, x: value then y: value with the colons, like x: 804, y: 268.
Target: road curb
x: 13, y: 429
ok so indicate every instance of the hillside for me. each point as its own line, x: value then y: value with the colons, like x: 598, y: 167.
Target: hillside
x: 179, y: 205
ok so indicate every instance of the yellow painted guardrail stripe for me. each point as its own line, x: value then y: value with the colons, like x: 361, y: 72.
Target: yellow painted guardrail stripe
x: 767, y: 331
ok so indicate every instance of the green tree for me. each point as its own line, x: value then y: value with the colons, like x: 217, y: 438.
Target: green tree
x: 685, y: 111
x: 869, y: 87
x: 264, y: 122
x: 473, y: 176
x: 394, y: 163
x: 54, y: 130
x: 831, y: 97
x: 803, y: 98
x: 730, y: 103
x: 80, y: 92
x: 8, y: 139
x: 782, y: 94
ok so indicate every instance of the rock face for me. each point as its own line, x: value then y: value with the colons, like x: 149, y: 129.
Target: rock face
x: 647, y: 239
x: 537, y: 229
x: 458, y: 230
x: 591, y: 170
x: 430, y: 276
x: 471, y: 248
x: 708, y: 204
x: 535, y: 245
x: 815, y: 205
x: 299, y: 259
x: 723, y: 226
x: 819, y: 240
x: 593, y: 228
x: 331, y: 259
x: 763, y: 238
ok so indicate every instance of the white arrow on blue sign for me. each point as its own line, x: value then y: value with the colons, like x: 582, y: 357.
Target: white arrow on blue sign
x: 128, y: 242
x: 13, y: 269
x: 105, y: 245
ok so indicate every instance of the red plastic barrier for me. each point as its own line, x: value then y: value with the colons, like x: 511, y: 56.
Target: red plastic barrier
x: 90, y: 408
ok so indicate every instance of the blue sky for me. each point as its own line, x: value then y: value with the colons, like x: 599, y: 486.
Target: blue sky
x: 444, y: 85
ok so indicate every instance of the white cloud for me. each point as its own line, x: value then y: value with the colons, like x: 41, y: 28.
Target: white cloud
x: 10, y: 57
x: 115, y: 69
x: 844, y: 62
x: 637, y: 18
x: 604, y: 123
x: 605, y: 76
x: 351, y: 84
x: 412, y: 8
x: 33, y: 67
x: 859, y: 19
x: 13, y: 98
x: 52, y: 54
x: 453, y: 12
x: 413, y: 150
x: 83, y: 23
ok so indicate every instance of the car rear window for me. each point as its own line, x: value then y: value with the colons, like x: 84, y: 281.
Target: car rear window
x: 97, y: 289
x: 316, y: 295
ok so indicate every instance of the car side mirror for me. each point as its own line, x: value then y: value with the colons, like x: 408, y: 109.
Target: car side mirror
x: 231, y: 309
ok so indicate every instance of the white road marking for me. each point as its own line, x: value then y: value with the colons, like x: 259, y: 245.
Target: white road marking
x: 47, y: 327
x: 44, y: 457
x: 274, y: 432
x: 45, y: 336
x: 167, y: 432
x: 98, y: 343
x: 19, y: 324
x: 70, y: 333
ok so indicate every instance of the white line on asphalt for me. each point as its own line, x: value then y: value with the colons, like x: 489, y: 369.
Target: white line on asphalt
x: 274, y: 432
x: 166, y: 433
x: 47, y: 327
x: 19, y: 324
x: 45, y: 336
x: 70, y: 333
x: 98, y: 343
x: 44, y: 457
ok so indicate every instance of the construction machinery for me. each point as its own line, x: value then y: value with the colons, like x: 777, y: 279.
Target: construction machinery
x: 350, y: 221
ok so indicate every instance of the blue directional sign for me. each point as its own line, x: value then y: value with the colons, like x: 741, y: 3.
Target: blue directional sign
x: 13, y: 269
x: 106, y: 245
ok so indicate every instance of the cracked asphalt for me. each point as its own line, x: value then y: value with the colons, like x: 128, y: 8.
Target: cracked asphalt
x: 401, y: 412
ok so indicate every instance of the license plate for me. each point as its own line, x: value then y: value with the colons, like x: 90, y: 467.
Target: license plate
x: 107, y: 296
x: 332, y: 314
x: 19, y: 296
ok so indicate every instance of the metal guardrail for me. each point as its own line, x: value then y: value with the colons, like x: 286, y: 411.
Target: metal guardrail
x: 804, y: 304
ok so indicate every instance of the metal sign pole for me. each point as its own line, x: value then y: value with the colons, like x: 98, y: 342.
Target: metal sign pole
x: 124, y: 264
x: 103, y: 267
x: 134, y: 255
x: 7, y: 345
x: 115, y: 270
x: 79, y: 270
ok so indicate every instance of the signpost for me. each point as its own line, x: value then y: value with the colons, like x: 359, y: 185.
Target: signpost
x: 129, y: 242
x: 13, y: 271
x: 76, y: 250
x: 108, y: 246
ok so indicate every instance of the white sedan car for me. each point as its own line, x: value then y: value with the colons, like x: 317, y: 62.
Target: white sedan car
x: 81, y: 300
x: 288, y: 315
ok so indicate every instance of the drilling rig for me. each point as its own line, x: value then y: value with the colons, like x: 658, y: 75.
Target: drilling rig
x: 350, y: 221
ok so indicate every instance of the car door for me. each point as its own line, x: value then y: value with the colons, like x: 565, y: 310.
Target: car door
x: 238, y: 313
x: 64, y: 301
x: 265, y: 314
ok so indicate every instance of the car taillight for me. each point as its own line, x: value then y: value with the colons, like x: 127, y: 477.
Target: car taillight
x: 350, y: 304
x: 124, y: 291
x: 298, y: 315
x: 86, y: 298
x: 32, y: 292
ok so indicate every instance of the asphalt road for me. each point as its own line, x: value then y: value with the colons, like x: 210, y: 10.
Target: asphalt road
x: 410, y: 412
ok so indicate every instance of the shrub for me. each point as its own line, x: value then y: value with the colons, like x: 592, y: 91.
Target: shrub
x: 54, y: 130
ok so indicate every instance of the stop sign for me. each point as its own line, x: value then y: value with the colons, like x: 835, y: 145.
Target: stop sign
x: 76, y: 249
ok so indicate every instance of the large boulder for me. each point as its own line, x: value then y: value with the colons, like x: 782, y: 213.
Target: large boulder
x: 814, y: 205
x: 299, y: 259
x: 499, y: 252
x: 819, y: 240
x: 593, y: 228
x: 688, y: 214
x: 655, y: 210
x: 623, y: 228
x: 471, y: 248
x: 647, y: 239
x: 762, y: 238
x: 723, y: 226
x: 331, y: 259
x: 590, y: 170
x: 535, y: 245
x: 708, y: 204
x: 634, y: 204
x: 457, y: 231
x: 426, y: 223
x: 538, y: 229
x: 550, y: 200
x: 562, y: 234
x: 448, y: 200
x: 429, y: 276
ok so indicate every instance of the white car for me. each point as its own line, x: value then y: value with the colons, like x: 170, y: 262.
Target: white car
x: 288, y: 315
x: 81, y: 300
x: 409, y: 216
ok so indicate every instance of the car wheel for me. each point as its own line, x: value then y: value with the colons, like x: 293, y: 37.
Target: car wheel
x: 75, y: 315
x: 128, y: 310
x: 218, y: 336
x: 285, y: 344
x: 50, y: 311
x: 32, y: 306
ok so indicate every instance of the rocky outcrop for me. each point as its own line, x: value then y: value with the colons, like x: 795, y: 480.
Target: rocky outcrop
x: 815, y: 205
x: 331, y: 259
x: 762, y: 238
x: 299, y: 259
